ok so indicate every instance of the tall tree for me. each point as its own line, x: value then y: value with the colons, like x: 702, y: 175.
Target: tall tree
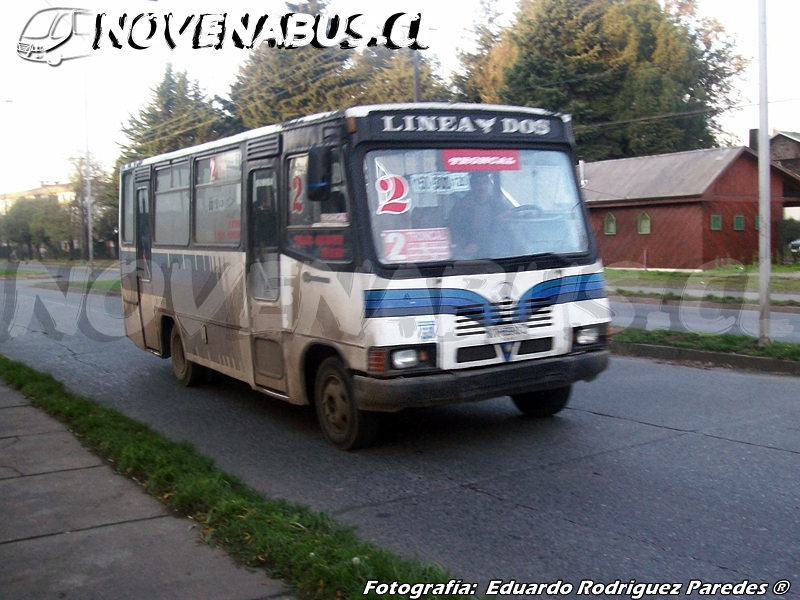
x: 637, y: 78
x: 276, y: 84
x: 481, y: 75
x: 17, y: 225
x: 279, y: 84
x: 105, y: 209
x: 178, y: 116
x: 379, y: 75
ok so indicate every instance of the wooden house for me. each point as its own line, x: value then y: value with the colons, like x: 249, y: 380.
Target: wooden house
x: 686, y: 210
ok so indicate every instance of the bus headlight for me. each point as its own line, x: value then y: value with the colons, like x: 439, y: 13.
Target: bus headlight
x: 408, y: 358
x: 589, y: 335
x: 405, y: 359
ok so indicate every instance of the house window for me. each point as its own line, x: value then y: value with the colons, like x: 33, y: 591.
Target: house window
x: 738, y: 223
x: 643, y: 224
x: 716, y: 222
x: 757, y: 223
x: 610, y: 224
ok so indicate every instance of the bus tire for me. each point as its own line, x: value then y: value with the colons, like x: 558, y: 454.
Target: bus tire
x: 343, y: 425
x: 544, y: 403
x: 187, y: 372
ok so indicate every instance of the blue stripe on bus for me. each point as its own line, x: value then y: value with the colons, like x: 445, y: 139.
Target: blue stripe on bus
x: 418, y: 302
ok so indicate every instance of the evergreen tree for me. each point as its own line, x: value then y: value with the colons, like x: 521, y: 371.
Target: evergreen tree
x: 481, y: 78
x: 178, y: 116
x: 276, y: 84
x: 380, y: 75
x: 638, y: 79
x: 279, y: 84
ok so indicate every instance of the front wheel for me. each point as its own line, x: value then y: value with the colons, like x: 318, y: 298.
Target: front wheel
x: 344, y: 425
x: 544, y: 403
x: 187, y: 372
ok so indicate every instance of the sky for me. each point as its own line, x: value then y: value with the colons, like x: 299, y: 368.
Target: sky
x: 51, y: 114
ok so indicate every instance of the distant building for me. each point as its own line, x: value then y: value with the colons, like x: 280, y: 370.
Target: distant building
x: 686, y: 210
x: 63, y: 191
x: 785, y: 150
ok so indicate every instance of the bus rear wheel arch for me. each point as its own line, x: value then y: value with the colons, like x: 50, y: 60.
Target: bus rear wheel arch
x: 343, y: 425
x: 189, y: 373
x: 544, y: 403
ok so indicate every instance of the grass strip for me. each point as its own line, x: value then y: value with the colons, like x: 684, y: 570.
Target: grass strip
x: 16, y: 274
x: 728, y: 279
x: 727, y: 343
x: 316, y: 555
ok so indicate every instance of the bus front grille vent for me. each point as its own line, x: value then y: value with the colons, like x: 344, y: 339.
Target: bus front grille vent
x: 469, y: 320
x: 472, y: 319
x: 540, y: 312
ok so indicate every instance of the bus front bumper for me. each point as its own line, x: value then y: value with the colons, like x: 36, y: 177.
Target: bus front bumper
x: 469, y: 385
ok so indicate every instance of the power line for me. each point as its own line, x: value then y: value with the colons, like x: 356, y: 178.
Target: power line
x: 194, y: 126
x: 675, y: 115
x: 186, y: 118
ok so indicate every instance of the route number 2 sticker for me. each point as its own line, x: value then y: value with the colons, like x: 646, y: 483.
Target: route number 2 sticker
x: 297, y: 195
x: 412, y: 245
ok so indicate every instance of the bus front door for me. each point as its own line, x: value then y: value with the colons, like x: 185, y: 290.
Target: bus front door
x: 144, y: 239
x: 263, y: 280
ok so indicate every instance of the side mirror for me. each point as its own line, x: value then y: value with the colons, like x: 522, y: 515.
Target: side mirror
x: 318, y: 178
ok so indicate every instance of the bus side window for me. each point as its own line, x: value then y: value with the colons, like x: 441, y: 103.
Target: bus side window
x: 128, y: 208
x: 319, y: 230
x: 264, y: 276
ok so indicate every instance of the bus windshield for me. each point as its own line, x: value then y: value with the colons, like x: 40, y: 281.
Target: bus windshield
x: 472, y: 204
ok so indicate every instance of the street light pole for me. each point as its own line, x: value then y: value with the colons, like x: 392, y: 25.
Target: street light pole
x: 764, y: 219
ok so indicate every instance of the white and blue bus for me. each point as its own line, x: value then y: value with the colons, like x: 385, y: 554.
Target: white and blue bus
x: 370, y: 260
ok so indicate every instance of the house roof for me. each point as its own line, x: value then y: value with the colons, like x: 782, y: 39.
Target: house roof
x: 676, y: 175
x: 789, y: 134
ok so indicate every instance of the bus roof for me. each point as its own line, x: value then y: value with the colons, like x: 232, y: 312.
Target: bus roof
x: 356, y: 111
x: 363, y: 111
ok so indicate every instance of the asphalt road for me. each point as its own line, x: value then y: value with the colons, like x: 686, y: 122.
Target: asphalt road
x: 655, y: 472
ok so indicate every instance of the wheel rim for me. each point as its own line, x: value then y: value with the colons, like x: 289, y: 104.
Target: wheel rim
x: 335, y: 405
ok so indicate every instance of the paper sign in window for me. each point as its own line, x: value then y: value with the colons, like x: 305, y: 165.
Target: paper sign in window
x: 416, y: 245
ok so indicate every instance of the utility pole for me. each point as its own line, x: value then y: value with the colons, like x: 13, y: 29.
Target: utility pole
x: 764, y: 219
x: 416, y: 75
x: 89, y: 233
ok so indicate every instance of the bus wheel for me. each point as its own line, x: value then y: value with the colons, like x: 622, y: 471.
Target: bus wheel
x: 187, y: 372
x: 544, y: 403
x: 344, y: 426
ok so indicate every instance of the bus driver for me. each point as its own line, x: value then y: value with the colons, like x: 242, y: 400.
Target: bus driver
x: 470, y: 220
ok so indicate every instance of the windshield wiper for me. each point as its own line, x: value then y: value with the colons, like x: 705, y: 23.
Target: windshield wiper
x: 558, y: 259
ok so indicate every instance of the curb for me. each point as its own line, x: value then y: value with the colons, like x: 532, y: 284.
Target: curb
x: 720, y: 359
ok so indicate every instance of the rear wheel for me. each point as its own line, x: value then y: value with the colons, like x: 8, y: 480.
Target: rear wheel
x: 187, y: 372
x: 544, y: 403
x: 344, y: 425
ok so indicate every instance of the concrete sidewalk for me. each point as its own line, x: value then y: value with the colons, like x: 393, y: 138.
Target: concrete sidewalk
x: 72, y: 528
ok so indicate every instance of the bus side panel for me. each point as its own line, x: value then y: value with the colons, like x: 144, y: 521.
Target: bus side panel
x: 206, y: 297
x: 321, y: 308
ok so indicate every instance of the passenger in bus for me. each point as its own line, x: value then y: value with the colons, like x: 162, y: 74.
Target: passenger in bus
x: 470, y: 220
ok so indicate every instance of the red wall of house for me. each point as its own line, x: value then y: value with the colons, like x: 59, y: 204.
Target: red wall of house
x: 736, y: 193
x: 675, y: 239
x: 681, y: 236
